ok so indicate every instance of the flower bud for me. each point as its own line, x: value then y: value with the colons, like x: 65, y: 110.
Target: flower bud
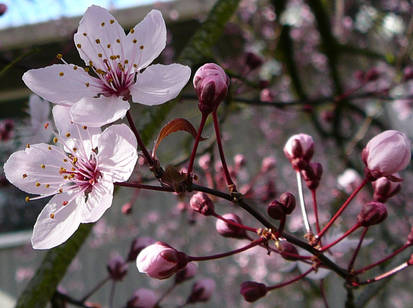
x: 228, y: 230
x: 252, y: 60
x: 205, y: 161
x: 188, y: 272
x: 201, y: 203
x: 117, y: 268
x: 137, y: 245
x: 288, y: 251
x: 3, y: 9
x: 372, y: 213
x: 299, y: 149
x: 287, y: 199
x: 410, y: 237
x: 160, y: 260
x: 211, y: 85
x: 312, y: 175
x: 268, y: 164
x: 266, y: 95
x: 201, y: 291
x: 239, y: 161
x: 384, y: 189
x: 276, y: 210
x: 252, y: 291
x: 387, y: 153
x: 142, y: 298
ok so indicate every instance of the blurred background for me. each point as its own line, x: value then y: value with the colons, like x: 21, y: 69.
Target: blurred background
x: 338, y: 70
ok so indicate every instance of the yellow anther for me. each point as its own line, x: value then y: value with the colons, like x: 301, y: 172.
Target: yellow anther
x: 112, y: 21
x: 37, y: 184
x: 108, y: 46
x: 46, y: 125
x: 49, y: 147
x: 74, y: 160
x: 102, y: 24
x: 84, y: 127
x: 87, y: 84
x: 28, y: 146
x: 51, y: 215
x: 59, y: 56
x: 60, y: 190
x: 55, y: 140
x: 24, y: 175
x: 64, y: 203
x: 84, y: 34
x: 141, y: 47
x: 78, y: 46
x: 86, y: 69
x: 47, y: 185
x: 65, y: 177
x: 62, y: 170
x: 99, y: 55
x: 43, y: 166
x: 132, y: 30
x: 112, y: 57
x: 27, y: 199
x: 117, y: 40
x: 65, y: 160
x: 97, y: 41
x: 135, y: 65
x: 74, y: 149
x: 75, y: 67
x: 61, y: 74
x: 73, y: 169
x: 126, y: 61
x: 134, y: 41
x: 68, y: 135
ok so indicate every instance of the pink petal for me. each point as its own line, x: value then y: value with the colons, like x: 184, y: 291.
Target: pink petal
x: 49, y: 232
x: 36, y: 167
x: 149, y: 33
x: 117, y: 152
x: 61, y: 83
x: 97, y: 112
x: 99, y: 33
x: 98, y: 201
x: 160, y: 83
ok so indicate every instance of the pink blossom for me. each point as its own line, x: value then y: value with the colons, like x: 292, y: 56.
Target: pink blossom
x: 299, y: 149
x: 117, y: 60
x: 387, y: 153
x: 202, y: 290
x: 252, y: 291
x: 142, y: 298
x: 201, y: 203
x: 78, y: 172
x: 349, y: 180
x: 384, y: 189
x: 228, y: 230
x: 160, y: 260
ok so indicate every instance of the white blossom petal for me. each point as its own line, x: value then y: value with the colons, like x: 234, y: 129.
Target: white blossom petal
x: 160, y: 83
x: 57, y: 222
x: 61, y: 83
x: 39, y: 111
x: 99, y: 37
x: 117, y: 152
x: 97, y: 112
x: 35, y: 170
x: 146, y: 40
x: 98, y: 201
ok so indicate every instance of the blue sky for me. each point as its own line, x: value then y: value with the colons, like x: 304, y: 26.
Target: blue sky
x: 22, y: 12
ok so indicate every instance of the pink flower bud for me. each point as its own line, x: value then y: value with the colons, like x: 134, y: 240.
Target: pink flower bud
x: 3, y: 9
x: 211, y: 85
x: 127, y: 208
x: 252, y: 291
x: 287, y: 199
x: 137, y: 245
x: 201, y: 291
x: 239, y: 161
x: 276, y: 210
x: 384, y: 189
x: 205, y: 161
x: 252, y: 60
x: 299, y: 149
x: 228, y: 230
x: 142, y: 298
x: 188, y: 272
x: 372, y: 213
x: 201, y: 203
x: 117, y: 268
x: 387, y: 153
x: 160, y: 260
x: 266, y: 95
x: 268, y: 164
x: 312, y: 175
x: 288, y: 251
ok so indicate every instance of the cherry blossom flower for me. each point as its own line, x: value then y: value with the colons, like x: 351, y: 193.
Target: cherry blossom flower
x: 116, y: 61
x: 79, y: 172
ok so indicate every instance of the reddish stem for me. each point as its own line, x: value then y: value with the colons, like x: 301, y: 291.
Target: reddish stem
x: 353, y: 258
x: 277, y: 286
x: 315, y: 206
x: 396, y: 252
x: 342, y: 208
x: 197, y: 139
x: 221, y: 151
x: 229, y: 253
x: 347, y: 233
x: 144, y: 186
x: 145, y: 152
x: 235, y: 224
x: 385, y: 275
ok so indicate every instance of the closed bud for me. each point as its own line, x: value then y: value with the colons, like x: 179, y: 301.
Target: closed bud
x: 372, y: 213
x: 142, y: 298
x: 188, y: 272
x: 387, y: 153
x: 201, y: 203
x: 137, y: 245
x: 239, y: 161
x: 312, y: 175
x: 287, y: 199
x: 252, y: 60
x: 205, y: 161
x: 160, y: 260
x: 299, y: 150
x: 211, y: 85
x: 268, y: 164
x: 117, y: 268
x: 252, y: 291
x: 288, y: 251
x: 228, y: 230
x: 202, y: 291
x: 3, y: 9
x: 384, y: 189
x: 266, y: 95
x: 276, y: 210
